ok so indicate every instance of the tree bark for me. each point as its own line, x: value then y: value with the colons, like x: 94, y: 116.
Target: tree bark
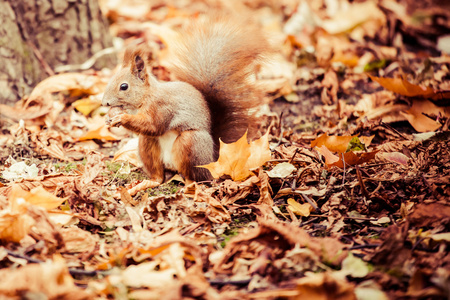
x: 37, y: 36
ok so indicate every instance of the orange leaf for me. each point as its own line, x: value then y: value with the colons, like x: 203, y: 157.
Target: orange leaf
x: 101, y: 133
x: 37, y: 196
x: 350, y: 158
x: 357, y: 158
x: 419, y: 121
x: 236, y: 159
x: 259, y: 152
x: 14, y: 226
x: 330, y: 158
x: 338, y: 143
x: 405, y: 88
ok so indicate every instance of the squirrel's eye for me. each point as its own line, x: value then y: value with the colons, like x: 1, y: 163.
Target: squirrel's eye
x: 124, y: 86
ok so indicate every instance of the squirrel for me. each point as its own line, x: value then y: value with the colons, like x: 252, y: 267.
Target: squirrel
x: 180, y: 122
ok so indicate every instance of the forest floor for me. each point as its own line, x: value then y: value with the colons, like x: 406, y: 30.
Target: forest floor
x: 353, y: 202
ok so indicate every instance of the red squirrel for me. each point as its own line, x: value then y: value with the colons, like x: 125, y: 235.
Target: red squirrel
x: 179, y: 123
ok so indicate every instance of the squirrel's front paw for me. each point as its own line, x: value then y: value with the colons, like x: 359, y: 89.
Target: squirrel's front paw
x: 113, y: 118
x: 115, y: 121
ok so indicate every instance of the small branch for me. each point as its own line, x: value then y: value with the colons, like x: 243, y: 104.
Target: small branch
x: 311, y: 202
x: 361, y: 183
x: 79, y: 272
x: 233, y: 282
x: 88, y: 63
x: 343, y: 174
x: 393, y: 129
x: 27, y: 258
x: 364, y: 246
x: 71, y: 270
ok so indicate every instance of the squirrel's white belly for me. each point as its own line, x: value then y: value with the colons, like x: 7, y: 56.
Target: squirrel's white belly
x: 166, y: 143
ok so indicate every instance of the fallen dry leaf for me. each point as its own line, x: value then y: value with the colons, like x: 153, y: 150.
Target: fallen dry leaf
x: 129, y: 153
x: 14, y: 226
x: 100, y: 133
x: 352, y: 16
x: 396, y: 157
x: 422, y: 123
x: 37, y: 196
x: 51, y: 279
x: 238, y: 158
x: 325, y: 286
x: 77, y: 240
x: 303, y: 209
x: 405, y: 88
x: 216, y: 212
x: 40, y: 101
x: 338, y: 143
x: 282, y: 170
x: 87, y: 105
x: 278, y: 238
x: 349, y: 158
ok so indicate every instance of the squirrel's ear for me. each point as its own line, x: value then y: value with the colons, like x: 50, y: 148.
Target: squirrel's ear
x: 135, y: 58
x: 138, y: 68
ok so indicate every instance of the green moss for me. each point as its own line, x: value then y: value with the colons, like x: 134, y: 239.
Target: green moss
x: 122, y: 173
x: 376, y: 65
x: 235, y: 227
x: 227, y: 236
x: 167, y: 188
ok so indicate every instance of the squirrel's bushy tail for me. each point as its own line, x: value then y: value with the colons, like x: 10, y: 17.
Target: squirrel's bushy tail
x: 218, y: 57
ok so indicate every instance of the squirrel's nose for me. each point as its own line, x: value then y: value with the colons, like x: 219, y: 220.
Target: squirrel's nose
x: 105, y: 102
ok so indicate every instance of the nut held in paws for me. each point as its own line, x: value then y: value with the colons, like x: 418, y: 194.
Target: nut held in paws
x: 114, y: 111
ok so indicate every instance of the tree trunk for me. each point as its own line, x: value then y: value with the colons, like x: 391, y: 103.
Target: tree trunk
x: 37, y: 36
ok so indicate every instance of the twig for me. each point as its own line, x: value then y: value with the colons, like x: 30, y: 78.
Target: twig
x: 307, y: 222
x: 293, y: 156
x: 288, y: 160
x: 313, y: 204
x: 27, y: 258
x: 361, y: 183
x: 88, y: 63
x: 351, y: 218
x: 393, y: 129
x: 72, y: 271
x: 364, y: 246
x: 280, y: 137
x: 79, y: 272
x: 343, y: 174
x: 233, y: 282
x: 376, y: 165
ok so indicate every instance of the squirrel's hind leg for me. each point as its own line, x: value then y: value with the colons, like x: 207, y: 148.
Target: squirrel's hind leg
x: 150, y: 153
x: 193, y: 148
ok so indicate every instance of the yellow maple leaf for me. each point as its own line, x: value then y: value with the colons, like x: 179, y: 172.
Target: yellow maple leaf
x: 238, y: 158
x: 259, y: 152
